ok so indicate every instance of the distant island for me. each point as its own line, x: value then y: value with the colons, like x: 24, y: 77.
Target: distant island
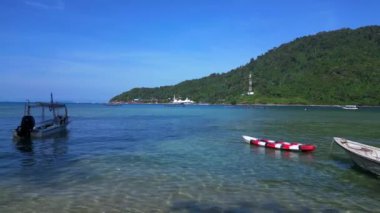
x: 330, y: 68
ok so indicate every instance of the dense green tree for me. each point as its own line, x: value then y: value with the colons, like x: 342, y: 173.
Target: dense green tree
x: 337, y: 67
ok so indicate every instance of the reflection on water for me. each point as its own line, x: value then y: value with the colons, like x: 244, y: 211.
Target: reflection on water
x: 24, y: 145
x: 343, y: 161
x: 281, y: 154
x: 44, y: 149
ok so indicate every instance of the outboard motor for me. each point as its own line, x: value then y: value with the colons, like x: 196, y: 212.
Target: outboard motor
x: 26, y: 127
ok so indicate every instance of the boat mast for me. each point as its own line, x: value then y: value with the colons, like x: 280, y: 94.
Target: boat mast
x: 52, y: 104
x: 27, y: 108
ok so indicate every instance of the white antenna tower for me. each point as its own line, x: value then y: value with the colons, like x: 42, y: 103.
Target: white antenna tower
x: 250, y: 92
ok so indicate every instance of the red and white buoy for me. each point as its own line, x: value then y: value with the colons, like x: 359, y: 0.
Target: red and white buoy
x: 289, y: 146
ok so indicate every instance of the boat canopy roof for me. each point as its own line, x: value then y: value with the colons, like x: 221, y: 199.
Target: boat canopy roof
x: 53, y: 107
x: 46, y: 104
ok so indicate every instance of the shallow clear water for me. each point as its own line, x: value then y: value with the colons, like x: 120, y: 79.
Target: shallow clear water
x: 155, y: 158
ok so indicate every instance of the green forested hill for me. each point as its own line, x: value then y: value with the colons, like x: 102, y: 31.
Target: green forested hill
x: 337, y: 67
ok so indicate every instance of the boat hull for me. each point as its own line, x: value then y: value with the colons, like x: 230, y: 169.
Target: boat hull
x: 282, y: 145
x: 49, y: 131
x: 366, y: 157
x: 46, y: 132
x: 365, y: 164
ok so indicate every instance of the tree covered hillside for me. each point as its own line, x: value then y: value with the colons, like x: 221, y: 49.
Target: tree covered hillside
x: 337, y: 67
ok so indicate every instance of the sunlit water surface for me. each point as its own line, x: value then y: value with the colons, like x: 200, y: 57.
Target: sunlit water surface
x: 156, y: 158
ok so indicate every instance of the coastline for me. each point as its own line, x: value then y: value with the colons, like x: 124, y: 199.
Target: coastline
x: 248, y: 105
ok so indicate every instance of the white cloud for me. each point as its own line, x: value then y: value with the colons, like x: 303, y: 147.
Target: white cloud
x: 46, y: 5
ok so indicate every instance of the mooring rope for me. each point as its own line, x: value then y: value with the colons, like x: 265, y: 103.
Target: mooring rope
x: 331, y: 146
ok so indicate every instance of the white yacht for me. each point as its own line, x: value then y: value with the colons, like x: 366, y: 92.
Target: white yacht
x: 350, y: 107
x: 180, y: 101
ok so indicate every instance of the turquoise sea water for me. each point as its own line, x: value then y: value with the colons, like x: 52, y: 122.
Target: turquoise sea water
x: 155, y: 158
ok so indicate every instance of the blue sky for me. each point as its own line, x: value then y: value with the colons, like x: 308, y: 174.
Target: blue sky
x: 91, y: 50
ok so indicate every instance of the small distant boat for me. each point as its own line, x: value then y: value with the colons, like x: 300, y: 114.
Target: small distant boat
x: 365, y: 156
x: 56, y: 123
x: 350, y: 107
x: 294, y: 146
